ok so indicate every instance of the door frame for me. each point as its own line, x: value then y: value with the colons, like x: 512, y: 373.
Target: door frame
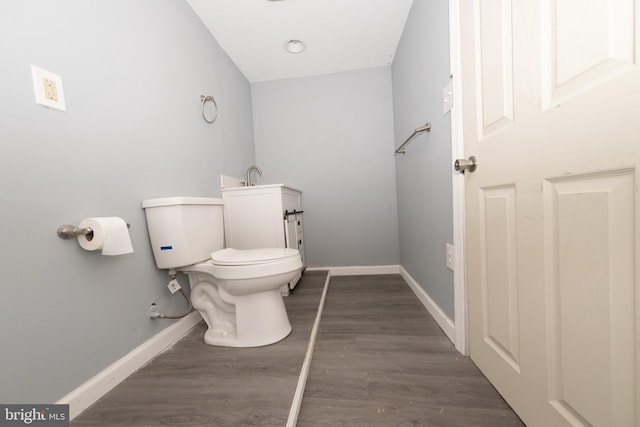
x: 457, y: 151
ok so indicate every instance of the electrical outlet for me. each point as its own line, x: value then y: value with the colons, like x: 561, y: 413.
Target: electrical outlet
x: 450, y: 256
x: 48, y: 89
x: 152, y: 312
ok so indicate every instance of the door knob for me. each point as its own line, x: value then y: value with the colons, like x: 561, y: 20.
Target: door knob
x: 462, y: 165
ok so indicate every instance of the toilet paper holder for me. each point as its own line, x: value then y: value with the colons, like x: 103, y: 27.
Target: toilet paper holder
x: 67, y: 231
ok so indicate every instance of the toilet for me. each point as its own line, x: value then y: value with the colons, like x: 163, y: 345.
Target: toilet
x: 237, y: 292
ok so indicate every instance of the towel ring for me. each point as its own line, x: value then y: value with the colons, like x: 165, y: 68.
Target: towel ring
x: 204, y: 99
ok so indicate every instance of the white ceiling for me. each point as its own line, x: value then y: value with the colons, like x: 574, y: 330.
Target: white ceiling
x: 340, y: 34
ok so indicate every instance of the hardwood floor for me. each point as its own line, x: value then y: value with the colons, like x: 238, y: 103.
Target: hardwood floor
x: 380, y: 360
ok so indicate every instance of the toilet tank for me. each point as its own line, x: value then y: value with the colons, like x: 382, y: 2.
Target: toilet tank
x: 184, y: 230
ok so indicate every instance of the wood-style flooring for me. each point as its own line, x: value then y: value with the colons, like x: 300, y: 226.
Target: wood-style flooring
x: 380, y: 360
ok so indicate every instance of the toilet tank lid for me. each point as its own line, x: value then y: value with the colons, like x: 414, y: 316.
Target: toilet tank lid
x: 171, y: 201
x: 231, y: 256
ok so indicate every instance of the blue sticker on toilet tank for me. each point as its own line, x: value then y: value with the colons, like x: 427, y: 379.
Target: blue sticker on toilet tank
x: 166, y: 248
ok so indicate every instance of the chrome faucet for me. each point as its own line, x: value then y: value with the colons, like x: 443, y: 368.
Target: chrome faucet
x: 248, y: 182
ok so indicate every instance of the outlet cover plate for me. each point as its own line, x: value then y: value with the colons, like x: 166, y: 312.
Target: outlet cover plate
x: 48, y: 89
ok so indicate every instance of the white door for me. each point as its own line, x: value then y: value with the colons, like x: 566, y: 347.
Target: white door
x: 551, y: 111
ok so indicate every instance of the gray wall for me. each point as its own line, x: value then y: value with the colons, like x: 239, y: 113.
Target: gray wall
x: 332, y: 137
x: 133, y: 72
x: 420, y: 71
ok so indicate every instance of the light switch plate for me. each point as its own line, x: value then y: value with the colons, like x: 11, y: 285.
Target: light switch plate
x: 447, y: 97
x: 450, y: 255
x: 48, y: 89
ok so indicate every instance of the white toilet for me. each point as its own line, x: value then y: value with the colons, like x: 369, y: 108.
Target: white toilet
x: 237, y: 292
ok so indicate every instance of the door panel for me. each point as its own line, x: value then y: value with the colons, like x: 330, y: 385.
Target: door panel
x: 585, y: 45
x: 494, y: 33
x: 590, y: 296
x: 551, y: 110
x: 499, y: 270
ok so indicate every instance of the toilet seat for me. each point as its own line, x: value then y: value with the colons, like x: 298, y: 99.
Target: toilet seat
x: 235, y: 264
x: 231, y: 256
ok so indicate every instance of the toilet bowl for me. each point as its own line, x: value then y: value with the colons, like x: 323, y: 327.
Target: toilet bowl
x: 237, y: 292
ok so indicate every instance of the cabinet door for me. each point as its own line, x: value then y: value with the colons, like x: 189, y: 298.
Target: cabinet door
x: 291, y: 231
x: 300, y: 237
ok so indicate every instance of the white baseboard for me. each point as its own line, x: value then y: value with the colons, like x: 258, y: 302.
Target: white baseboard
x: 434, y: 309
x: 359, y: 270
x: 93, y: 389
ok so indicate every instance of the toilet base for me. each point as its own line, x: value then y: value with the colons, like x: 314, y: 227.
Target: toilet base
x: 260, y: 319
x: 230, y: 339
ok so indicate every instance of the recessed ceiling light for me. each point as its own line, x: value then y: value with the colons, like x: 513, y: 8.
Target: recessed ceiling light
x: 294, y: 46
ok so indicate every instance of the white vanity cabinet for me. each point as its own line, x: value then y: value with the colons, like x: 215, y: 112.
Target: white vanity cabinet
x: 264, y: 216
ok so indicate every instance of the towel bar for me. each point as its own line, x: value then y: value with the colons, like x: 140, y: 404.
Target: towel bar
x: 425, y: 128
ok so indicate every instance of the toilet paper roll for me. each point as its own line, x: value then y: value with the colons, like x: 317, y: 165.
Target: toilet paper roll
x: 109, y: 234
